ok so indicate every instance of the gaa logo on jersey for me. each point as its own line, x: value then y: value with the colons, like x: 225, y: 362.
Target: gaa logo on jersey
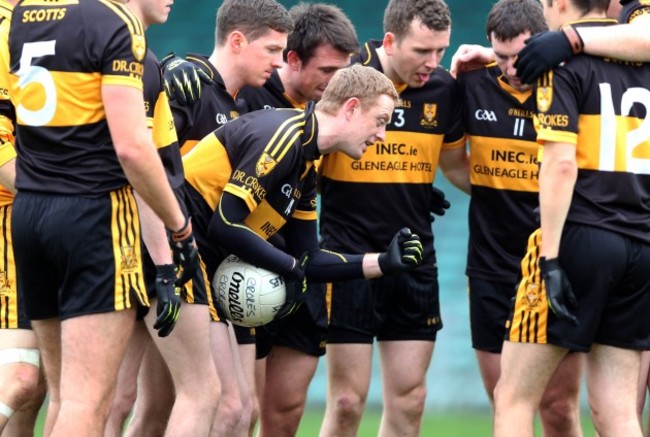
x: 264, y: 165
x: 429, y: 113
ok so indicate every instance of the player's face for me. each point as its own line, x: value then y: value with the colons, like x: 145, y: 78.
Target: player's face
x: 156, y: 11
x: 505, y: 53
x: 414, y: 57
x: 551, y: 13
x: 316, y: 73
x: 368, y: 126
x: 261, y: 56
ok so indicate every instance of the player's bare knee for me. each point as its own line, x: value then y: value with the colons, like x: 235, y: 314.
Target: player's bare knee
x: 349, y: 406
x: 20, y: 368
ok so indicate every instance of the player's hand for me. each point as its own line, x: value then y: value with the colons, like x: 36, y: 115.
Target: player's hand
x: 470, y: 57
x: 559, y: 292
x: 439, y: 205
x: 185, y: 251
x: 544, y: 52
x: 295, y: 283
x: 404, y: 253
x: 169, y: 299
x: 183, y: 79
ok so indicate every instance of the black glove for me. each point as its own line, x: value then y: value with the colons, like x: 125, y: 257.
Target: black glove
x: 542, y: 52
x: 186, y: 254
x: 438, y: 204
x: 183, y: 79
x: 295, y: 283
x: 169, y: 299
x: 559, y: 293
x: 404, y: 253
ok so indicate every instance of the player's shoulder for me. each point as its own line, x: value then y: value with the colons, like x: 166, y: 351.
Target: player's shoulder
x: 106, y: 15
x: 473, y: 79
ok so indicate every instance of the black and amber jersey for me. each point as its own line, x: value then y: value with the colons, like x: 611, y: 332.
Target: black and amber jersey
x: 503, y: 171
x: 632, y: 9
x: 602, y: 106
x: 215, y: 108
x: 61, y: 54
x: 161, y: 121
x: 271, y: 95
x: 365, y: 202
x: 264, y: 158
x: 7, y: 112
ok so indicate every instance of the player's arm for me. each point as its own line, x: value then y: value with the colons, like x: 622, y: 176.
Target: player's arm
x: 470, y: 57
x: 629, y: 42
x: 545, y: 51
x: 454, y: 164
x: 557, y: 178
x: 124, y: 107
x: 228, y: 228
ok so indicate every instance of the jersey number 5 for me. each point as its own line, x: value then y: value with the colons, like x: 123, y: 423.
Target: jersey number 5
x: 32, y: 74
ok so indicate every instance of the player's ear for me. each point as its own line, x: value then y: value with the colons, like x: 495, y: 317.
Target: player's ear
x: 293, y: 60
x: 389, y: 43
x: 236, y: 41
x: 350, y: 106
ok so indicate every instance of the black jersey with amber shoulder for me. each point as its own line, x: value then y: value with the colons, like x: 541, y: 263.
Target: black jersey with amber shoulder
x: 602, y: 106
x: 61, y: 53
x: 161, y: 121
x: 271, y: 95
x: 266, y: 158
x: 365, y: 202
x: 504, y: 173
x: 215, y: 108
x: 633, y: 9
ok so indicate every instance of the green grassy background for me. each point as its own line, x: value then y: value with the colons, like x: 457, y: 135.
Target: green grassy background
x: 439, y: 424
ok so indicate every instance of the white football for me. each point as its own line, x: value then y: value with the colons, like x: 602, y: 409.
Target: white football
x: 249, y: 296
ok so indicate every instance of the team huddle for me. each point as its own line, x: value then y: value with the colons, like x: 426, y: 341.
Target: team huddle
x: 126, y: 182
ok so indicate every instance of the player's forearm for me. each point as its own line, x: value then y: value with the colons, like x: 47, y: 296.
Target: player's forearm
x: 629, y: 42
x: 153, y: 233
x: 557, y: 178
x: 370, y: 266
x: 455, y: 167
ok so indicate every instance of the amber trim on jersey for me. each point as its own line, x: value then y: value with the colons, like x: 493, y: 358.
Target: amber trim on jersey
x: 127, y: 249
x: 8, y: 287
x: 132, y: 22
x: 530, y: 316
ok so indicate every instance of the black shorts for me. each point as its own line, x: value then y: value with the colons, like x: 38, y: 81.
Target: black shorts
x: 78, y: 255
x: 304, y: 331
x: 13, y: 314
x: 194, y: 291
x: 610, y: 276
x: 490, y: 304
x: 397, y: 307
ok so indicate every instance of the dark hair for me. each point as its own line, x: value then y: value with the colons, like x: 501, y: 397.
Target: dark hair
x: 399, y: 14
x: 510, y: 18
x: 251, y: 17
x: 317, y: 24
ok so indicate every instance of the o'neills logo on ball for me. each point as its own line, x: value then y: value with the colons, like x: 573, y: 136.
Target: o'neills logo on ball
x: 235, y: 305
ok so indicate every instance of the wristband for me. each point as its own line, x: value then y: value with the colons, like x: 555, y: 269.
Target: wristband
x: 183, y: 232
x: 575, y: 40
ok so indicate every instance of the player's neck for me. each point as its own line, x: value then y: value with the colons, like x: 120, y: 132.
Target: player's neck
x: 572, y: 15
x: 226, y: 66
x: 388, y: 70
x: 287, y: 83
